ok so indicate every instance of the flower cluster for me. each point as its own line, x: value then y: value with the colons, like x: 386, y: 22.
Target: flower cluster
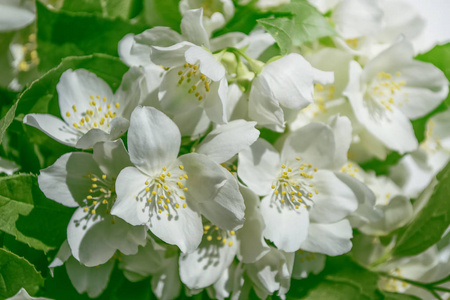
x: 214, y: 167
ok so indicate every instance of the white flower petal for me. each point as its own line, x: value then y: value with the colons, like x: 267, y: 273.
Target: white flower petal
x: 167, y: 285
x: 306, y: 263
x: 231, y: 39
x: 16, y: 14
x: 342, y: 129
x: 213, y: 191
x: 132, y: 53
x: 357, y: 18
x: 94, y: 239
x: 262, y: 105
x: 258, y: 166
x: 204, y: 266
x: 192, y: 27
x: 22, y: 294
x: 118, y: 127
x: 75, y: 87
x: 127, y: 207
x: 286, y: 227
x: 61, y: 257
x: 91, y: 280
x: 54, y: 128
x: 111, y: 157
x: 216, y: 102
x: 228, y: 140
x: 193, y: 122
x: 170, y: 56
x: 330, y: 239
x: 252, y: 244
x: 182, y: 228
x: 397, y: 213
x: 392, y: 128
x: 67, y: 181
x: 129, y: 93
x: 158, y: 36
x: 207, y: 63
x: 334, y: 201
x: 153, y: 139
x: 313, y: 143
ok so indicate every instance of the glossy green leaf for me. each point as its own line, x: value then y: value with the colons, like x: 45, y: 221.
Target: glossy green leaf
x: 7, y: 120
x: 29, y: 216
x: 430, y: 223
x: 303, y: 24
x: 58, y: 37
x: 15, y: 273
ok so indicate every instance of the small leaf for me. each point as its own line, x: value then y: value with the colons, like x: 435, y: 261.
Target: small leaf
x: 7, y: 120
x: 26, y: 214
x: 17, y: 272
x: 304, y: 25
x: 430, y: 223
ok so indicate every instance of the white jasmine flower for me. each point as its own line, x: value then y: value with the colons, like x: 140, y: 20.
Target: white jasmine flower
x: 285, y: 84
x: 301, y: 191
x: 216, y: 13
x: 306, y: 263
x: 90, y: 280
x: 392, y: 209
x: 169, y: 194
x: 87, y: 181
x: 416, y: 170
x: 91, y: 112
x: 392, y: 89
x: 194, y: 89
x: 158, y: 261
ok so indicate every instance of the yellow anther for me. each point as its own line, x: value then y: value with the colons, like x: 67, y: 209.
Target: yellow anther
x: 299, y: 194
x: 147, y: 189
x: 159, y: 211
x: 282, y: 201
x: 283, y: 193
x: 224, y: 241
x: 165, y: 206
x: 310, y: 195
x: 296, y: 207
x: 185, y: 176
x: 146, y: 182
x: 315, y: 169
x: 206, y: 227
x: 273, y: 187
x: 184, y: 205
x: 92, y: 97
x: 181, y: 167
x: 168, y: 174
x: 182, y: 197
x: 94, y: 202
x: 166, y: 187
x: 159, y: 201
x: 200, y: 98
x: 86, y: 209
x: 285, y: 184
x: 98, y: 97
x: 158, y: 186
x: 164, y: 168
x: 68, y: 114
x: 230, y: 244
x: 76, y: 125
x: 167, y: 200
x: 209, y: 238
x: 154, y: 193
x: 161, y: 196
x: 86, y: 118
x: 105, y: 201
x: 149, y: 200
x: 219, y: 238
x: 297, y: 158
x: 276, y: 192
x: 93, y: 211
x: 185, y: 189
x: 94, y: 185
x: 283, y: 166
x: 104, y: 176
x: 289, y: 170
x: 292, y: 193
x: 177, y: 205
x: 95, y: 125
x: 232, y: 232
x: 94, y: 103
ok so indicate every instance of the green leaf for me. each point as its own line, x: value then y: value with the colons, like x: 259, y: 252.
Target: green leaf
x: 105, y: 8
x: 430, y: 223
x: 29, y: 216
x: 162, y: 13
x: 16, y: 272
x: 58, y: 37
x: 341, y: 279
x: 244, y: 20
x: 305, y: 25
x: 7, y: 120
x: 397, y: 296
x: 382, y: 167
x: 42, y: 97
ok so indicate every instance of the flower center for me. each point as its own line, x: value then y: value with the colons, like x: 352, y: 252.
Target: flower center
x: 322, y: 94
x: 305, y: 256
x: 165, y: 192
x: 193, y: 81
x: 210, y: 7
x: 352, y: 43
x: 294, y: 188
x: 100, y: 198
x: 99, y: 115
x: 349, y: 169
x: 387, y: 90
x: 217, y: 236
